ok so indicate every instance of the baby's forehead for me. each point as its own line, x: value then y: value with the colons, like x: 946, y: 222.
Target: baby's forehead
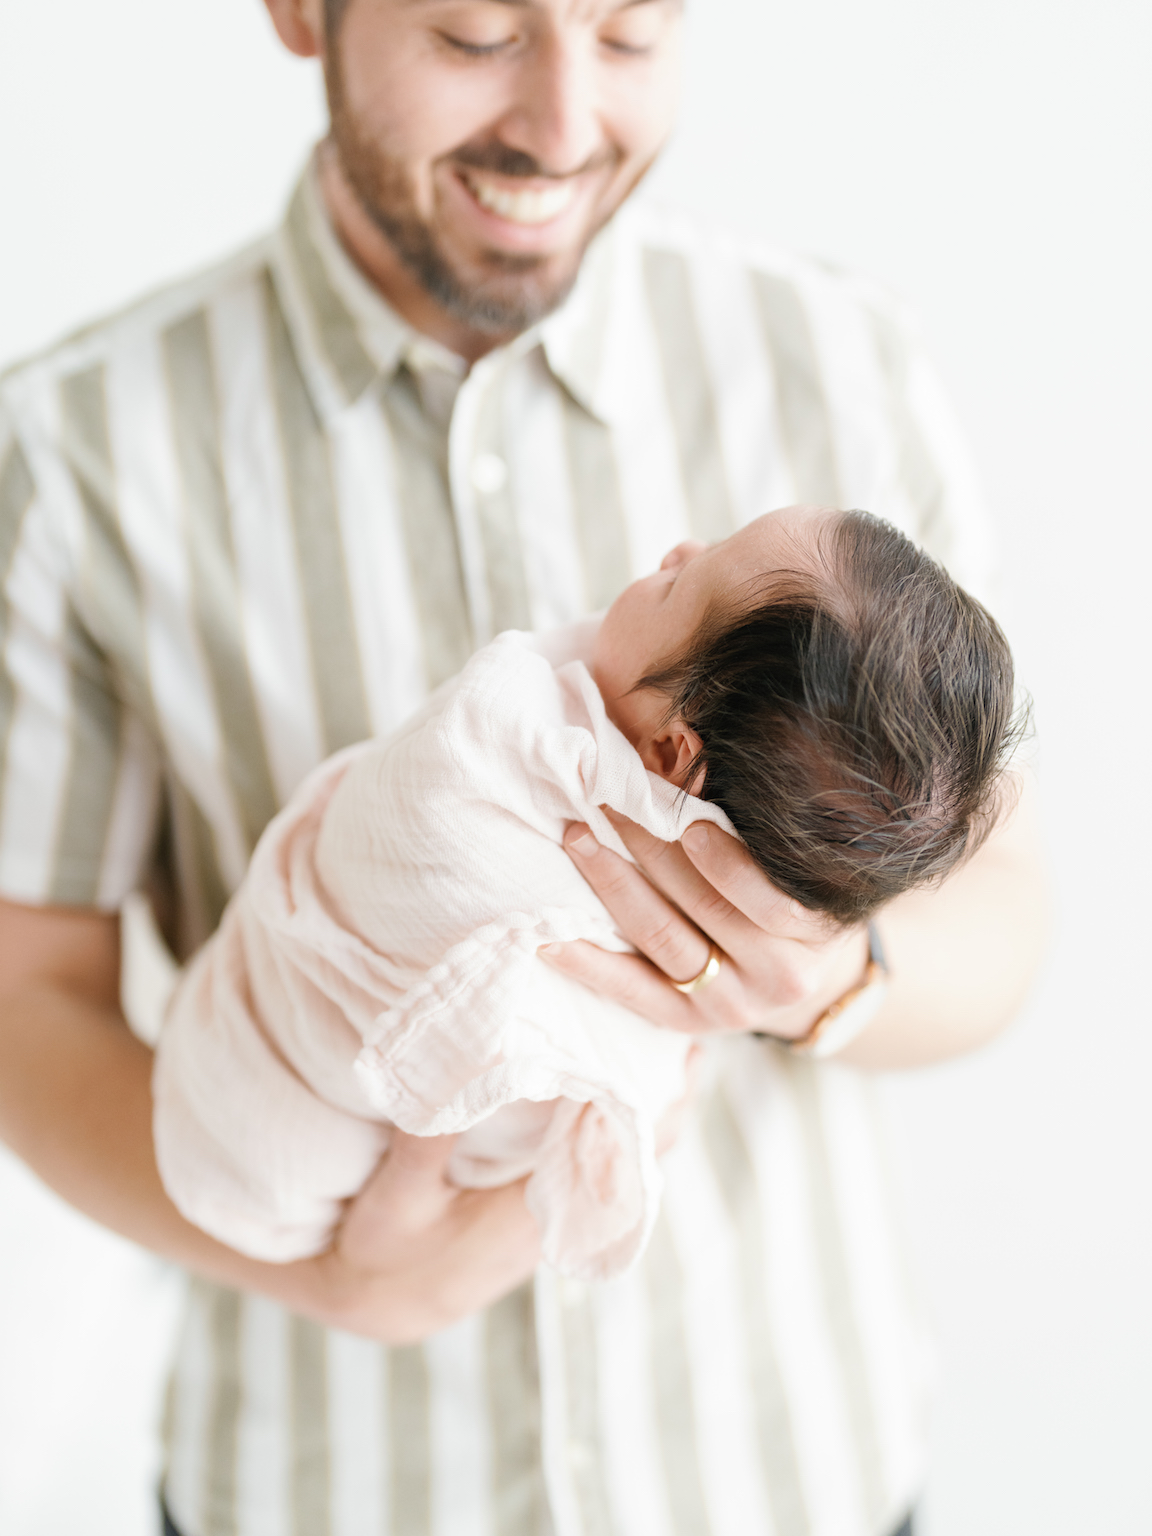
x: 791, y: 539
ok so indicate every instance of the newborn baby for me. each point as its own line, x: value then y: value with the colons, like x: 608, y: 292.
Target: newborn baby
x: 814, y: 683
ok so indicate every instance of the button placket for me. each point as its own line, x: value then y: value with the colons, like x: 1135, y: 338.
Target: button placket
x: 462, y: 434
x: 489, y: 483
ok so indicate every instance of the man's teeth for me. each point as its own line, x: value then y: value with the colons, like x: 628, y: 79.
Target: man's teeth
x: 523, y: 207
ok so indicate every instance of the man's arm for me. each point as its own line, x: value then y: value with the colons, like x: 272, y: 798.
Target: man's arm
x: 961, y: 956
x: 413, y: 1253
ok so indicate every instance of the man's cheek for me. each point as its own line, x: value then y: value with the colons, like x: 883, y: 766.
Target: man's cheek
x: 401, y: 103
x: 640, y: 121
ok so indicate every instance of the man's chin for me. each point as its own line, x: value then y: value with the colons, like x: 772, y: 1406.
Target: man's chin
x: 505, y: 293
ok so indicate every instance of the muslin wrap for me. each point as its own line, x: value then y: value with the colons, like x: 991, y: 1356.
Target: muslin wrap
x: 378, y: 967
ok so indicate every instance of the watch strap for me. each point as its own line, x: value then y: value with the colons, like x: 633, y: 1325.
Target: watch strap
x: 850, y: 1014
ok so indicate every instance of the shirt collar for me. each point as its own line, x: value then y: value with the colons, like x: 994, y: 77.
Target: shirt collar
x: 349, y: 336
x: 575, y: 336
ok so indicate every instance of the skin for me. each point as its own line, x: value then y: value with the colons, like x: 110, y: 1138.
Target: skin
x: 413, y: 1253
x: 654, y: 618
x: 436, y: 104
x: 783, y: 964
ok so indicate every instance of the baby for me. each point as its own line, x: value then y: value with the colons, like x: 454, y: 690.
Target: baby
x: 814, y: 683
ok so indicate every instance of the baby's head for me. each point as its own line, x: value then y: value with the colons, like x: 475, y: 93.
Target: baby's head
x: 831, y: 688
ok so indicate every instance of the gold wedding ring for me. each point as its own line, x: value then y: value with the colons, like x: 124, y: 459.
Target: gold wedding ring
x: 706, y: 977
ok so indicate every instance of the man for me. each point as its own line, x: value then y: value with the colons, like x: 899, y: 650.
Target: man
x: 259, y: 517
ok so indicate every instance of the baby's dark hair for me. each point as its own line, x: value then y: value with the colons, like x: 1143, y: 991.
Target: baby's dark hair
x: 855, y: 721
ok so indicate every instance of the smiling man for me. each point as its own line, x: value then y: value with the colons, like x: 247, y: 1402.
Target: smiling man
x: 468, y: 386
x: 477, y: 147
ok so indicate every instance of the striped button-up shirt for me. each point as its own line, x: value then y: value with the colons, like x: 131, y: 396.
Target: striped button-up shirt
x: 257, y: 517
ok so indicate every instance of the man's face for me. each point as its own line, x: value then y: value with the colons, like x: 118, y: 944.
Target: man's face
x: 490, y: 139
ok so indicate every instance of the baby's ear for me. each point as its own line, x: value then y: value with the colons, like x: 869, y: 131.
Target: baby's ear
x: 671, y: 752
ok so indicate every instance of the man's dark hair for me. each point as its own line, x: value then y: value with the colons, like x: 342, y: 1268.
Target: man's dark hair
x: 334, y: 15
x: 854, y: 723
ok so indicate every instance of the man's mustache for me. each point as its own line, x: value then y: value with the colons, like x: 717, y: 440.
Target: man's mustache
x: 503, y: 160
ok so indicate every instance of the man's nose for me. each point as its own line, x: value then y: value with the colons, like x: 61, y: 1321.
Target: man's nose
x: 554, y: 117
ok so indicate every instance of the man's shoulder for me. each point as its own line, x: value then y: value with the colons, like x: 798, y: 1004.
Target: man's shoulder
x: 102, y: 340
x: 716, y: 251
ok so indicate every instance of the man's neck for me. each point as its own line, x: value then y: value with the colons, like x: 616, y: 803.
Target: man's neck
x: 378, y: 261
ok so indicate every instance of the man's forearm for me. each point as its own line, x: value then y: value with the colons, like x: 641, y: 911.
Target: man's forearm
x: 76, y: 1106
x: 962, y: 957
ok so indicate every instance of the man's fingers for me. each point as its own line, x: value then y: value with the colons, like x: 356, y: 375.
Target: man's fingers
x: 610, y: 876
x: 422, y: 1157
x: 726, y: 866
x: 670, y: 869
x: 715, y: 882
x: 629, y: 979
x: 673, y: 943
x: 776, y: 970
x: 407, y: 1223
x: 504, y: 1221
x: 409, y: 1182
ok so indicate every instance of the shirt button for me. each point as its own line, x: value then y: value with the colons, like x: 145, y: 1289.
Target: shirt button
x: 489, y: 472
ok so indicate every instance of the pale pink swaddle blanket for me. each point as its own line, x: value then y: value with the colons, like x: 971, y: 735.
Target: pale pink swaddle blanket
x: 378, y: 965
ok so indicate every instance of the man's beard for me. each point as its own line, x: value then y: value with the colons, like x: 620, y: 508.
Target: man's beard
x: 506, y: 293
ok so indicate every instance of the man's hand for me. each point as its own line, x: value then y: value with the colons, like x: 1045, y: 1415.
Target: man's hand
x: 413, y: 1255
x: 417, y: 1250
x: 782, y: 965
x: 962, y: 954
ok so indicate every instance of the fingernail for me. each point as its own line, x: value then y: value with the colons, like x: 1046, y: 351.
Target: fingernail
x: 584, y: 845
x: 548, y: 949
x: 696, y: 838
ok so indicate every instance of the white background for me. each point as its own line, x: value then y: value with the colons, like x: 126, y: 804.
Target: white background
x: 992, y: 161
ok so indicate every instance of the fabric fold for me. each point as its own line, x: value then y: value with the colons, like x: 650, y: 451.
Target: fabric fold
x: 379, y: 967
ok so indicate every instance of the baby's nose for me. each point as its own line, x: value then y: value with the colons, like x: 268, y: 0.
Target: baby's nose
x: 683, y: 552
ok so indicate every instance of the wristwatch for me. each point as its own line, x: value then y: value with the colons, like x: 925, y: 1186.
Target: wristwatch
x: 851, y: 1014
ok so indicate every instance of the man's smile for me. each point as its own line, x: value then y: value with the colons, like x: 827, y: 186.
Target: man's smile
x: 481, y: 146
x: 538, y: 204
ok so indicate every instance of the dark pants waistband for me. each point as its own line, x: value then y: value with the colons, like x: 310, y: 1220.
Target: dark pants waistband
x: 170, y: 1529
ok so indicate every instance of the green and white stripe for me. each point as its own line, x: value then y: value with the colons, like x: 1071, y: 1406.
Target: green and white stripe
x: 257, y: 518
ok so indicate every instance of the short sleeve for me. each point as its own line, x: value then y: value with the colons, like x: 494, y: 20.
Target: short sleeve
x: 79, y: 774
